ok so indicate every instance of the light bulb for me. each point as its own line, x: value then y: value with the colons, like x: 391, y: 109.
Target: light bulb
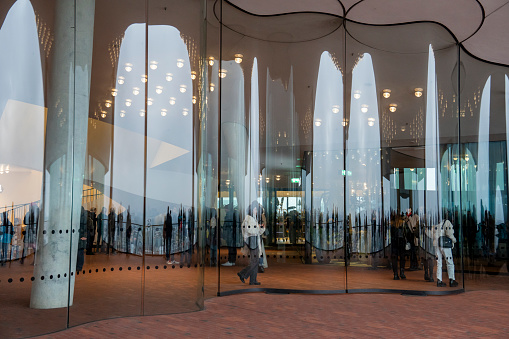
x: 392, y: 107
x: 121, y: 80
x: 222, y: 73
x: 193, y: 75
x: 122, y: 113
x: 278, y: 177
x: 128, y: 67
x: 238, y: 58
x: 163, y: 112
x: 211, y: 61
x: 144, y: 78
x: 128, y: 102
x: 180, y: 63
x: 185, y: 112
x: 371, y: 121
x: 357, y: 94
x: 107, y: 103
x: 172, y: 101
x: 136, y: 90
x: 159, y: 89
x: 194, y: 99
x: 364, y: 108
x: 183, y: 88
x: 318, y: 122
x: 114, y: 92
x: 153, y: 65
x: 150, y: 101
x: 335, y: 109
x: 267, y: 180
x: 103, y: 115
x: 418, y: 92
x: 403, y: 128
x: 386, y: 93
x: 142, y: 112
x: 169, y: 77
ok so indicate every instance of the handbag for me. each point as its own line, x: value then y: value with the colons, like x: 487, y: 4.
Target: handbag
x: 445, y: 242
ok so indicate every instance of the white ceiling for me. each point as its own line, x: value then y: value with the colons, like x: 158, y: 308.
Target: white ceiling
x: 480, y: 25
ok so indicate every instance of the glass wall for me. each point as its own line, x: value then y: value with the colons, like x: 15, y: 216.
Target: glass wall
x: 100, y: 120
x: 156, y: 153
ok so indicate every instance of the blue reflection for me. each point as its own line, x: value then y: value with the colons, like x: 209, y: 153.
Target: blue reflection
x: 483, y: 168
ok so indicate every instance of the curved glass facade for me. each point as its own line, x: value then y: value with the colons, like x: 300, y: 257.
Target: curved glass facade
x: 157, y: 153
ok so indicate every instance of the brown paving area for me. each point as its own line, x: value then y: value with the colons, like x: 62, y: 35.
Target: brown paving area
x: 260, y: 315
x: 105, y: 291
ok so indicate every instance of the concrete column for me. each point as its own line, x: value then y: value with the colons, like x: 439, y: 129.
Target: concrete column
x: 65, y: 154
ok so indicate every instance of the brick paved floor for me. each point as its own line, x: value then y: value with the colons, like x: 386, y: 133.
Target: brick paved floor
x: 472, y: 314
x: 105, y: 291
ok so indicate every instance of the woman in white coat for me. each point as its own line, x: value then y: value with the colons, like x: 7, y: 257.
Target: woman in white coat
x: 251, y: 231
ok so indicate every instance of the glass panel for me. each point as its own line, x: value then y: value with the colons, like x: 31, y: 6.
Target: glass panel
x: 36, y: 100
x: 482, y: 162
x: 403, y: 193
x: 282, y: 172
x: 111, y: 235
x: 174, y: 78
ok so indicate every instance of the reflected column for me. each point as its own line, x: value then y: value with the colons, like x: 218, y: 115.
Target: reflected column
x: 64, y: 154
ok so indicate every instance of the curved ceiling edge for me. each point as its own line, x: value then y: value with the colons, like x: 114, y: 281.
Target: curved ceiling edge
x: 456, y: 34
x: 394, y: 24
x: 320, y: 7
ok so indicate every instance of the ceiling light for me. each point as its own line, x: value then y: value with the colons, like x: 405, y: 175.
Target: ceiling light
x: 418, y: 92
x: 172, y: 101
x: 386, y: 93
x: 169, y: 77
x: 357, y: 94
x: 392, y: 107
x: 103, y: 115
x: 222, y: 73
x: 114, y: 92
x: 159, y: 89
x: 212, y: 87
x: 403, y: 128
x: 211, y: 61
x: 335, y: 109
x: 278, y: 177
x: 194, y: 99
x: 153, y: 65
x: 128, y: 67
x: 180, y: 63
x: 107, y: 103
x: 163, y: 112
x: 185, y: 112
x: 238, y: 58
x: 128, y: 102
x: 136, y: 90
x: 121, y: 80
x: 318, y: 122
x: 183, y: 88
x: 193, y: 75
x: 364, y: 108
x: 144, y: 78
x: 371, y: 122
x: 122, y: 113
x: 344, y: 122
x: 150, y: 101
x: 267, y: 180
x: 142, y: 112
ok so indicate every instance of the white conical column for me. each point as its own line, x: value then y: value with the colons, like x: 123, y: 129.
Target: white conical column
x: 65, y: 152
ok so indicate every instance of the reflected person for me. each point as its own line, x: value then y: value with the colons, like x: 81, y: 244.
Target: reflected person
x: 443, y: 241
x: 251, y: 231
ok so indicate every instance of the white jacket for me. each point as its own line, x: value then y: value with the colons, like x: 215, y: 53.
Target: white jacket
x: 445, y: 228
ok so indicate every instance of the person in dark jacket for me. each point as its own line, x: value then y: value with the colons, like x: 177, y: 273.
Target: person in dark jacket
x: 111, y: 230
x: 7, y: 232
x: 398, y: 242
x: 128, y: 230
x: 168, y: 236
x: 82, y: 242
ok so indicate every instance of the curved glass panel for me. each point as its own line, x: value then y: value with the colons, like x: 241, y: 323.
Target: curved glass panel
x: 36, y: 130
x: 281, y: 152
x: 403, y: 134
x: 483, y: 158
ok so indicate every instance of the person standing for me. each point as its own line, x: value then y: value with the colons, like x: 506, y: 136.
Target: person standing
x: 251, y: 231
x: 7, y: 232
x: 128, y: 231
x: 398, y: 242
x: 443, y: 241
x: 111, y: 230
